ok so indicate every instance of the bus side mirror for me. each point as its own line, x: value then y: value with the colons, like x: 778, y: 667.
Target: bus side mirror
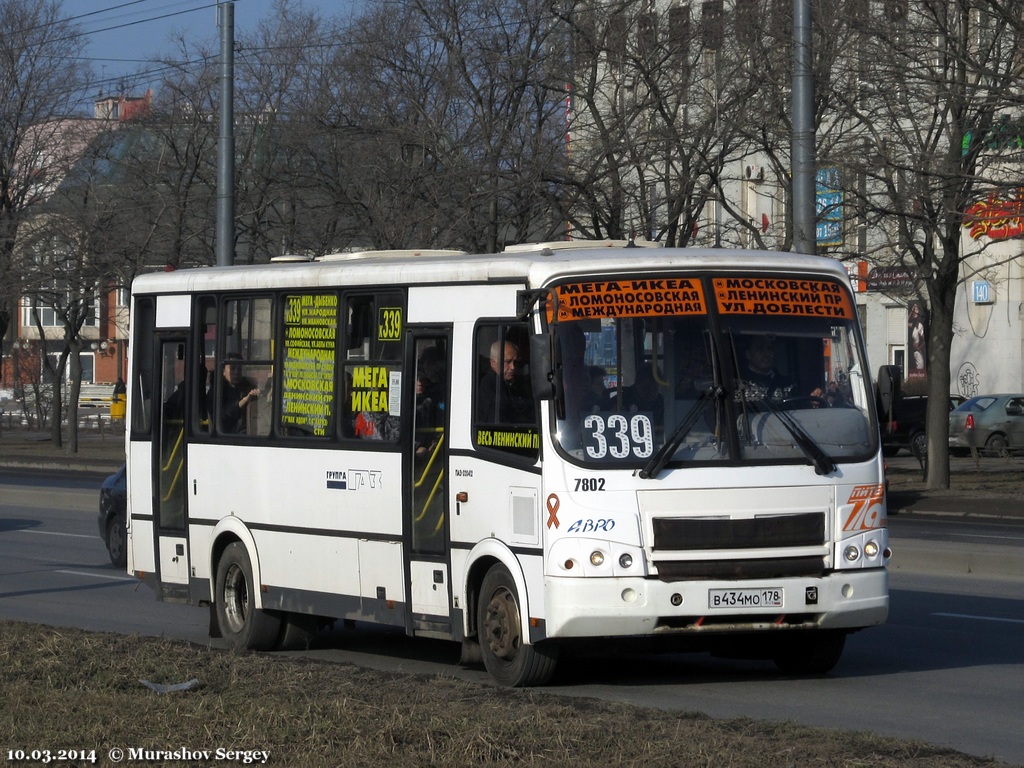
x: 542, y: 373
x: 888, y: 385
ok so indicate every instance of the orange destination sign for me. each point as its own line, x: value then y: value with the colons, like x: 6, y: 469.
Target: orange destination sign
x: 790, y: 296
x: 630, y: 298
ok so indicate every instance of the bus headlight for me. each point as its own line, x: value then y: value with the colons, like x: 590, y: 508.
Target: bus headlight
x: 588, y: 557
x: 863, y: 550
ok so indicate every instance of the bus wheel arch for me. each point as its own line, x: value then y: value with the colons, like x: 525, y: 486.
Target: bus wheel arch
x: 484, y: 556
x: 503, y: 634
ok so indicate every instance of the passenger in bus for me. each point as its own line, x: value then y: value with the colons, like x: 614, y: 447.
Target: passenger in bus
x: 237, y: 393
x: 430, y: 400
x: 834, y: 395
x: 504, y: 397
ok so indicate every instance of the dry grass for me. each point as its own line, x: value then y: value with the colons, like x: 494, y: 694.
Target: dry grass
x: 70, y: 688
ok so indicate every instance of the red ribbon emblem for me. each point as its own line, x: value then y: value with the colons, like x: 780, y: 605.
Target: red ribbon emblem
x: 552, y: 505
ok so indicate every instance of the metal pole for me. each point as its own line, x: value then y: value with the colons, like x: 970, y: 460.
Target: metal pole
x: 802, y: 140
x: 225, y: 240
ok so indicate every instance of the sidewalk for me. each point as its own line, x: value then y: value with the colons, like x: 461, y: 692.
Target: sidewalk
x: 990, y: 487
x: 99, y: 453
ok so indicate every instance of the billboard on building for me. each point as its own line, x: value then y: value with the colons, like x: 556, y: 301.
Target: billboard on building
x: 917, y: 341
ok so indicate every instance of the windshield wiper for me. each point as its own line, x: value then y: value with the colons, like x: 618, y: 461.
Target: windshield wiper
x: 660, y: 458
x: 823, y: 463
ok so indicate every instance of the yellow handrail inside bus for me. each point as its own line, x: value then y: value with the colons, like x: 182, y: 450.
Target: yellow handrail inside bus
x: 175, y: 450
x: 174, y: 457
x: 174, y: 482
x: 430, y: 497
x: 654, y: 367
x: 435, y: 452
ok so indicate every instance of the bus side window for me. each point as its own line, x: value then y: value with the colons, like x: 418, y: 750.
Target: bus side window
x: 144, y: 323
x: 302, y: 391
x: 503, y: 404
x: 244, y: 359
x: 206, y: 341
x: 373, y: 363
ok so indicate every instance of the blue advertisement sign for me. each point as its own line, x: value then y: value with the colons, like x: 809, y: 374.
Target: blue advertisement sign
x: 828, y: 206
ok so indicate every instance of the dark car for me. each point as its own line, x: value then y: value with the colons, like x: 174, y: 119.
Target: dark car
x: 992, y: 424
x: 906, y: 429
x: 113, y: 518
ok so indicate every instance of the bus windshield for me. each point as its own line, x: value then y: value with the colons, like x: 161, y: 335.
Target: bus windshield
x: 663, y: 371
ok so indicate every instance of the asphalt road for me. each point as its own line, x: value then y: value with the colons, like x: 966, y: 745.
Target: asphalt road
x: 947, y: 668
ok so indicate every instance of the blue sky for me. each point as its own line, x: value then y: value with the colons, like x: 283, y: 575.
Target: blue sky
x: 122, y: 34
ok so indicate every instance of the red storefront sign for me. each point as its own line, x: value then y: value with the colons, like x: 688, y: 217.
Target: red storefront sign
x: 996, y: 217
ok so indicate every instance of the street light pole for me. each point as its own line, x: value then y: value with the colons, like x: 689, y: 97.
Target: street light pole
x: 225, y: 240
x: 802, y: 140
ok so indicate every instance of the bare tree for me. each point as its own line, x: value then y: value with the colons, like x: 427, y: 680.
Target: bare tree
x: 41, y: 77
x: 65, y: 260
x: 172, y: 165
x: 277, y: 71
x: 443, y: 124
x: 661, y: 107
x: 933, y: 78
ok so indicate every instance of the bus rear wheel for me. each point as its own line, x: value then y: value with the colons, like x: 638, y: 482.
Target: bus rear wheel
x: 811, y: 653
x: 507, y: 658
x: 241, y: 624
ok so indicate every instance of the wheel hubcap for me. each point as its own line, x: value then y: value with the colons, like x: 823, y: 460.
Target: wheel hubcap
x: 236, y: 598
x: 502, y: 625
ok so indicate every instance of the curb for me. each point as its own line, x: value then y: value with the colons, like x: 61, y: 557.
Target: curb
x: 948, y: 558
x: 61, y: 467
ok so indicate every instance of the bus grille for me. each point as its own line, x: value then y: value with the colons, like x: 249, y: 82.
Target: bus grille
x: 688, y: 534
x: 774, y: 568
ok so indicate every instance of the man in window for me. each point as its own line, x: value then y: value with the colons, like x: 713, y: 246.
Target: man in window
x: 503, y: 396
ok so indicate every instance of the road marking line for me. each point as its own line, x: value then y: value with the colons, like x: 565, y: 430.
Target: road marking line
x: 57, y: 533
x: 968, y: 536
x: 97, y: 575
x: 979, y: 618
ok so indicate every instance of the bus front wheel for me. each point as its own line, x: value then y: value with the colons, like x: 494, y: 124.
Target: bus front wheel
x: 508, y: 659
x: 241, y: 624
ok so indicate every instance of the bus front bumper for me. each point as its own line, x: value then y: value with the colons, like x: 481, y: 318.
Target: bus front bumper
x: 624, y: 607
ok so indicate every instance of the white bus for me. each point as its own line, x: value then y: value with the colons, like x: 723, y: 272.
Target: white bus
x: 514, y: 451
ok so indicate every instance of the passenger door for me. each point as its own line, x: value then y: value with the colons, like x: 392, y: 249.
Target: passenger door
x: 426, y: 472
x: 170, y: 498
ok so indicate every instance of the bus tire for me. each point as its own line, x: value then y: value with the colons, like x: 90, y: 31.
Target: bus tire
x: 810, y: 653
x: 507, y: 658
x: 241, y: 624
